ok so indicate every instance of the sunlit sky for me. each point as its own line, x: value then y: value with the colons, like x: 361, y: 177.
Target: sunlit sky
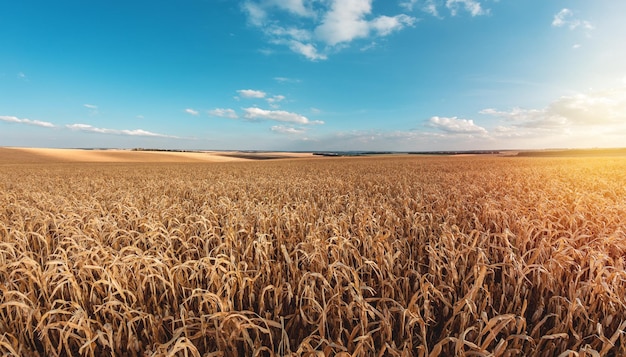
x: 402, y: 75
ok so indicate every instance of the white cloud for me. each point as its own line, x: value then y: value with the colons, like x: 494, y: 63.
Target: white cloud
x: 345, y: 21
x: 566, y: 17
x: 286, y: 80
x: 93, y: 109
x: 276, y: 99
x: 409, y: 4
x: 381, y: 140
x: 307, y: 50
x: 291, y: 32
x: 528, y: 118
x: 191, y: 111
x: 314, y: 28
x: 12, y: 119
x: 297, y: 7
x: 385, y: 25
x: 431, y: 8
x: 136, y: 132
x: 277, y: 115
x: 251, y: 93
x: 256, y: 13
x: 455, y: 125
x: 281, y: 129
x: 472, y: 6
x: 603, y: 108
x: 593, y: 108
x: 223, y: 113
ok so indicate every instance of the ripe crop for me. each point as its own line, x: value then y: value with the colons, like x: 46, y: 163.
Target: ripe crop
x: 397, y: 256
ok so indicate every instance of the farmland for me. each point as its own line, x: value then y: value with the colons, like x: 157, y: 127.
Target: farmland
x: 397, y: 256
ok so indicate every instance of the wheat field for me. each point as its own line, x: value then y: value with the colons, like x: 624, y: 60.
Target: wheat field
x: 387, y: 256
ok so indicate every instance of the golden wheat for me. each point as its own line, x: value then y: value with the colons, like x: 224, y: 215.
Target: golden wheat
x: 349, y: 257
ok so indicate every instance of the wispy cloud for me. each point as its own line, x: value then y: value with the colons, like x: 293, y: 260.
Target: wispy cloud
x: 565, y: 17
x: 251, y: 93
x: 286, y: 80
x: 277, y: 115
x: 308, y: 50
x: 472, y: 6
x: 274, y: 100
x: 12, y: 119
x: 93, y: 109
x: 314, y: 29
x: 223, y: 113
x: 191, y: 111
x: 540, y: 119
x: 281, y: 129
x: 432, y: 7
x: 455, y: 125
x: 135, y: 132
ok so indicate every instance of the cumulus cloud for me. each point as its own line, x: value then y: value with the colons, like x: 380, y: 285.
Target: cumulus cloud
x: 12, y: 119
x: 191, y: 111
x: 595, y: 108
x: 251, y: 93
x: 314, y: 28
x: 385, y: 25
x: 455, y: 125
x: 277, y: 115
x: 223, y: 113
x: 565, y: 17
x: 345, y: 21
x: 281, y: 129
x: 136, y: 132
x: 272, y: 100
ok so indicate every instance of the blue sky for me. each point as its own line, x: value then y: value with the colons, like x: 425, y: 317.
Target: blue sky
x: 313, y: 74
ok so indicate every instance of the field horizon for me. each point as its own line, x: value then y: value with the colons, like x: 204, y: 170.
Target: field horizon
x: 142, y: 155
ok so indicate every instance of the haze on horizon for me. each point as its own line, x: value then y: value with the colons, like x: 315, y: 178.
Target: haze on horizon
x: 310, y: 75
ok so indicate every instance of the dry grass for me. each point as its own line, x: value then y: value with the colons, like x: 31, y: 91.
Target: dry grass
x: 362, y: 256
